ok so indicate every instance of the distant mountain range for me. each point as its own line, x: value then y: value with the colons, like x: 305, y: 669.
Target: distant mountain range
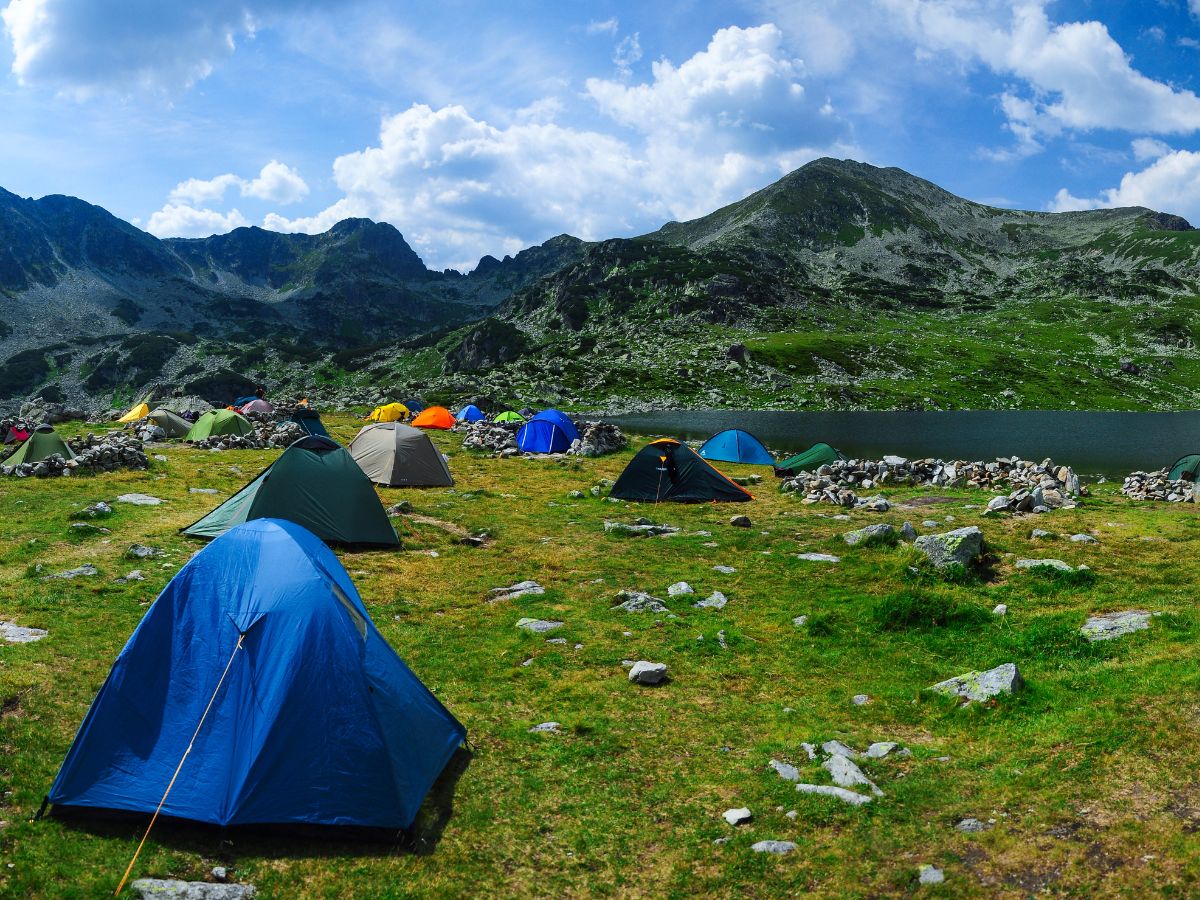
x: 842, y: 284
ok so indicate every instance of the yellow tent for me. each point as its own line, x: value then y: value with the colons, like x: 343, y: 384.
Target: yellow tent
x: 138, y: 412
x: 392, y: 412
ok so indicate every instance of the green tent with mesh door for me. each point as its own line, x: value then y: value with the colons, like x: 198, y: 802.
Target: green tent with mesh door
x: 175, y: 425
x: 43, y: 442
x: 1186, y: 468
x: 314, y: 483
x: 219, y: 423
x: 815, y: 456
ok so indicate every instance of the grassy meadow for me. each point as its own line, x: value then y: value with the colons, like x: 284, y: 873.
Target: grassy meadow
x: 1088, y: 777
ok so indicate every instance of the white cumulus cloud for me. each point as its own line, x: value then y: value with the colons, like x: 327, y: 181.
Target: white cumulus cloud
x: 1169, y: 184
x: 696, y: 136
x: 276, y: 183
x: 181, y: 220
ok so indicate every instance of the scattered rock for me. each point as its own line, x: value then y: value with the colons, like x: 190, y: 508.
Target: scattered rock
x: 546, y: 728
x: 907, y: 532
x: 1001, y: 609
x: 173, y: 889
x: 881, y: 531
x: 847, y: 774
x: 739, y: 816
x: 16, y: 634
x: 679, y: 587
x: 777, y: 847
x: 513, y: 591
x: 87, y: 528
x: 140, y: 499
x: 1083, y: 539
x: 959, y: 547
x: 819, y: 557
x: 786, y: 771
x: 928, y: 874
x: 639, y: 601
x: 880, y: 749
x: 837, y: 748
x: 715, y: 600
x: 643, y: 672
x: 577, y: 495
x: 1039, y: 533
x: 134, y: 575
x: 800, y: 621
x: 825, y: 790
x: 980, y: 686
x: 98, y: 510
x: 860, y: 699
x: 141, y: 551
x: 87, y: 569
x: 203, y: 491
x: 538, y: 626
x: 740, y: 522
x: 970, y: 826
x: 641, y: 530
x: 724, y: 570
x: 1057, y: 564
x: 1116, y: 624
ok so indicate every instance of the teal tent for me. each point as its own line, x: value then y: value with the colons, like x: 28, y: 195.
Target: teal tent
x: 1186, y: 468
x: 736, y: 446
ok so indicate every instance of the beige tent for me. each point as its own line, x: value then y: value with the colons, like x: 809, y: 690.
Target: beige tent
x: 396, y: 455
x: 175, y: 426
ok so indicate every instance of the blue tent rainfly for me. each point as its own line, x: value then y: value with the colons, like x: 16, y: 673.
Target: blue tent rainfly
x: 317, y: 719
x: 550, y: 431
x: 736, y: 446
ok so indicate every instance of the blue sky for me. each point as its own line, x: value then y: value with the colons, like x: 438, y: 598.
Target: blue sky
x: 483, y: 127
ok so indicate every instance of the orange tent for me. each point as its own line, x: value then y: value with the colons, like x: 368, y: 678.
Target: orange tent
x: 435, y: 417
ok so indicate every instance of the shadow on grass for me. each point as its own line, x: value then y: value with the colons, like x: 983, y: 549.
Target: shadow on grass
x: 286, y: 840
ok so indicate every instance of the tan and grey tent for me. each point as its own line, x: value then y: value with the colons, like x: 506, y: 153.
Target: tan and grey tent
x: 176, y: 426
x: 398, y: 455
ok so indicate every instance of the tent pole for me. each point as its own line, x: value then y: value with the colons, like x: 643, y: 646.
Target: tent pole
x: 191, y: 743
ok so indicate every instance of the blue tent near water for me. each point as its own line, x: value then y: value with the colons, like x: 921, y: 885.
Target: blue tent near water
x: 316, y: 720
x: 736, y: 446
x: 470, y: 413
x: 550, y: 431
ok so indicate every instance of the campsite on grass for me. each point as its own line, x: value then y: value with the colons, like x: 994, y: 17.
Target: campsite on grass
x: 324, y: 658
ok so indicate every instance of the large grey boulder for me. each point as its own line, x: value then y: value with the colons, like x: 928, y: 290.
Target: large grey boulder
x: 961, y: 547
x: 980, y: 686
x: 1112, y: 625
x: 173, y: 889
x: 880, y: 531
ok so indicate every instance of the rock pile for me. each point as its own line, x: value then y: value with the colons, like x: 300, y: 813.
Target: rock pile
x: 268, y: 434
x: 491, y: 437
x: 1157, y: 486
x: 598, y: 439
x: 98, y: 454
x: 838, y: 482
x: 39, y: 411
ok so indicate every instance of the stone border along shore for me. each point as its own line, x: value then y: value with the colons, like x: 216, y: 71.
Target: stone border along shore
x: 1035, y: 487
x: 1157, y: 486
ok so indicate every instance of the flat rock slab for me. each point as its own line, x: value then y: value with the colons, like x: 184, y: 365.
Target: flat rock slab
x: 1083, y: 539
x: 961, y: 547
x: 1044, y: 563
x: 202, y: 491
x: 1113, y: 625
x: 739, y: 816
x: 638, y: 601
x: 777, y: 847
x: 141, y: 500
x: 837, y: 748
x: 546, y: 728
x: 643, y: 672
x: 851, y: 797
x: 16, y: 634
x: 980, y: 686
x: 880, y: 531
x: 819, y: 557
x: 86, y: 570
x: 928, y: 874
x: 538, y: 626
x: 171, y: 889
x: 880, y: 749
x: 724, y: 570
x: 520, y: 589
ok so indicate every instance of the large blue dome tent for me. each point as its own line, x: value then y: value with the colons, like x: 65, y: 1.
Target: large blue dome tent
x: 736, y: 446
x: 314, y: 718
x: 550, y: 431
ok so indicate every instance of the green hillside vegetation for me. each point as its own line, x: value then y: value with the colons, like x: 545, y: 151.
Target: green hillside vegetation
x: 1082, y: 779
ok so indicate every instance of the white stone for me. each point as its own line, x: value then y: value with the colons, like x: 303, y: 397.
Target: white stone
x: 825, y: 790
x: 643, y: 672
x: 738, y: 816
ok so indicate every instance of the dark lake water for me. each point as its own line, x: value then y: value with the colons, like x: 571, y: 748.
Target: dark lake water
x: 1096, y: 443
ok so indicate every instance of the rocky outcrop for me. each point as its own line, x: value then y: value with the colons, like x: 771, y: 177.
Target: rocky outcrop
x: 1158, y: 486
x: 598, y: 439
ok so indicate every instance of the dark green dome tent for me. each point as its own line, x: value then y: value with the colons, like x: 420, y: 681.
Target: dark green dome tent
x: 175, y: 425
x: 314, y: 483
x: 670, y: 470
x: 815, y: 456
x: 42, y: 443
x: 219, y: 422
x: 1186, y: 468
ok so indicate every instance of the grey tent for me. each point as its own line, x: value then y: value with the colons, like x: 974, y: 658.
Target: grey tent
x: 396, y: 455
x: 175, y: 425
